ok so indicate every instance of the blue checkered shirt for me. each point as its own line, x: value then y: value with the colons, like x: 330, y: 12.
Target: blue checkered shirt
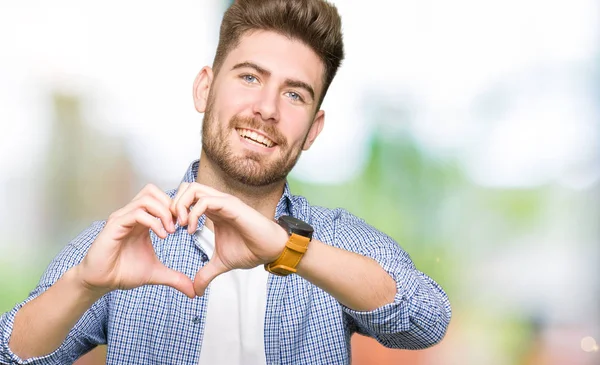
x: 303, y: 324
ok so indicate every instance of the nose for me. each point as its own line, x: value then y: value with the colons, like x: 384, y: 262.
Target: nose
x: 266, y: 105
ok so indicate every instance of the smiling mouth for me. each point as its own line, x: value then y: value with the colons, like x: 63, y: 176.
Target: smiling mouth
x: 255, y: 138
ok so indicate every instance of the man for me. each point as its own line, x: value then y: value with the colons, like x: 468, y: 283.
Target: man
x: 313, y: 276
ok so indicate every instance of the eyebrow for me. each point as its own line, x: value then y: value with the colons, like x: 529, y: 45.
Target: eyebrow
x: 288, y: 82
x: 302, y: 85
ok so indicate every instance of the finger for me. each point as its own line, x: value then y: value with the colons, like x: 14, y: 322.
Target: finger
x: 205, y: 275
x: 153, y: 190
x: 173, y: 205
x: 204, y: 204
x: 207, y: 190
x: 157, y: 209
x: 158, y: 194
x: 140, y: 193
x: 148, y: 190
x: 117, y: 213
x: 166, y: 276
x: 194, y: 215
x: 225, y: 207
x: 155, y: 202
x: 191, y: 195
x: 143, y: 218
x: 184, y: 202
x: 163, y: 198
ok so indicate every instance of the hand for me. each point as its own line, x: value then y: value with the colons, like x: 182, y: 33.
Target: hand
x: 244, y: 238
x: 122, y: 256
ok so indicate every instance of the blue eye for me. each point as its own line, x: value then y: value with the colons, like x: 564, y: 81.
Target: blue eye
x: 249, y: 79
x: 294, y: 96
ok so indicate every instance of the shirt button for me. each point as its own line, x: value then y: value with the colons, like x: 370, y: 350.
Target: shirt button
x: 196, y: 319
x: 204, y: 257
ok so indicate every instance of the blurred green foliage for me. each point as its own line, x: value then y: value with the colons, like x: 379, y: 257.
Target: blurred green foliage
x: 19, y: 275
x: 404, y: 193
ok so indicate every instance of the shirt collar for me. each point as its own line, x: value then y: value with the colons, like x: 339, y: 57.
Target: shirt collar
x: 284, y: 207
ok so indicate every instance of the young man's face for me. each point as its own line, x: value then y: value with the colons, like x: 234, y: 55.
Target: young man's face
x: 260, y: 108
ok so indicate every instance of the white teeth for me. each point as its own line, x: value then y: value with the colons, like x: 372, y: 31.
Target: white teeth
x: 256, y: 143
x: 255, y: 137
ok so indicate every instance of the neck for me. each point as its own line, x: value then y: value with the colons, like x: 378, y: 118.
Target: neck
x: 263, y: 199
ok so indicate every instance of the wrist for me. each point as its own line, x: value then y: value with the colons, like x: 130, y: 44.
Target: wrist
x: 281, y: 238
x: 77, y: 281
x: 298, y: 237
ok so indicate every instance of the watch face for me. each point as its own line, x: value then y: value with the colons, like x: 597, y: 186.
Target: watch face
x: 294, y: 225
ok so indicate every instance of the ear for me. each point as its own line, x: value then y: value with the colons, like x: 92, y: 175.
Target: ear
x: 201, y: 90
x: 315, y: 129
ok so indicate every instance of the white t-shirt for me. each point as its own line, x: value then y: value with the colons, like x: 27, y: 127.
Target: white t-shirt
x: 234, y: 329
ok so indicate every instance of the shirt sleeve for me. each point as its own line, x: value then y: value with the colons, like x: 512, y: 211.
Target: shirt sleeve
x: 87, y: 333
x: 420, y: 313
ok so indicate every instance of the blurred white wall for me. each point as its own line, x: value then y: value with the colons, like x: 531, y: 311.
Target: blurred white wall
x: 507, y: 85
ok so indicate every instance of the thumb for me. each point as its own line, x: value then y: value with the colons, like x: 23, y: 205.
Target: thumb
x: 165, y: 276
x: 206, y: 274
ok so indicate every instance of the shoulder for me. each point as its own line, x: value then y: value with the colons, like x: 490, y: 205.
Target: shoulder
x: 84, y: 240
x: 341, y: 228
x: 71, y: 254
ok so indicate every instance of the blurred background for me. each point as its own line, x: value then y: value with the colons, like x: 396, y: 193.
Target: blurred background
x: 467, y: 130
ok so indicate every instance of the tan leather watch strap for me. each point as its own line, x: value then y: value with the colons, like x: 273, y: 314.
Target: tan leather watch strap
x: 286, y: 263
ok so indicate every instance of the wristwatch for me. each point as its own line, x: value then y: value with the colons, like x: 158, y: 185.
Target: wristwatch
x: 300, y: 233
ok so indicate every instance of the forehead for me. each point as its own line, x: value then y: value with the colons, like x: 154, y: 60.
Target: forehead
x: 284, y: 57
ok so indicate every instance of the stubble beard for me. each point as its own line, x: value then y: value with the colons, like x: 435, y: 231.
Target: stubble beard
x: 251, y: 169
